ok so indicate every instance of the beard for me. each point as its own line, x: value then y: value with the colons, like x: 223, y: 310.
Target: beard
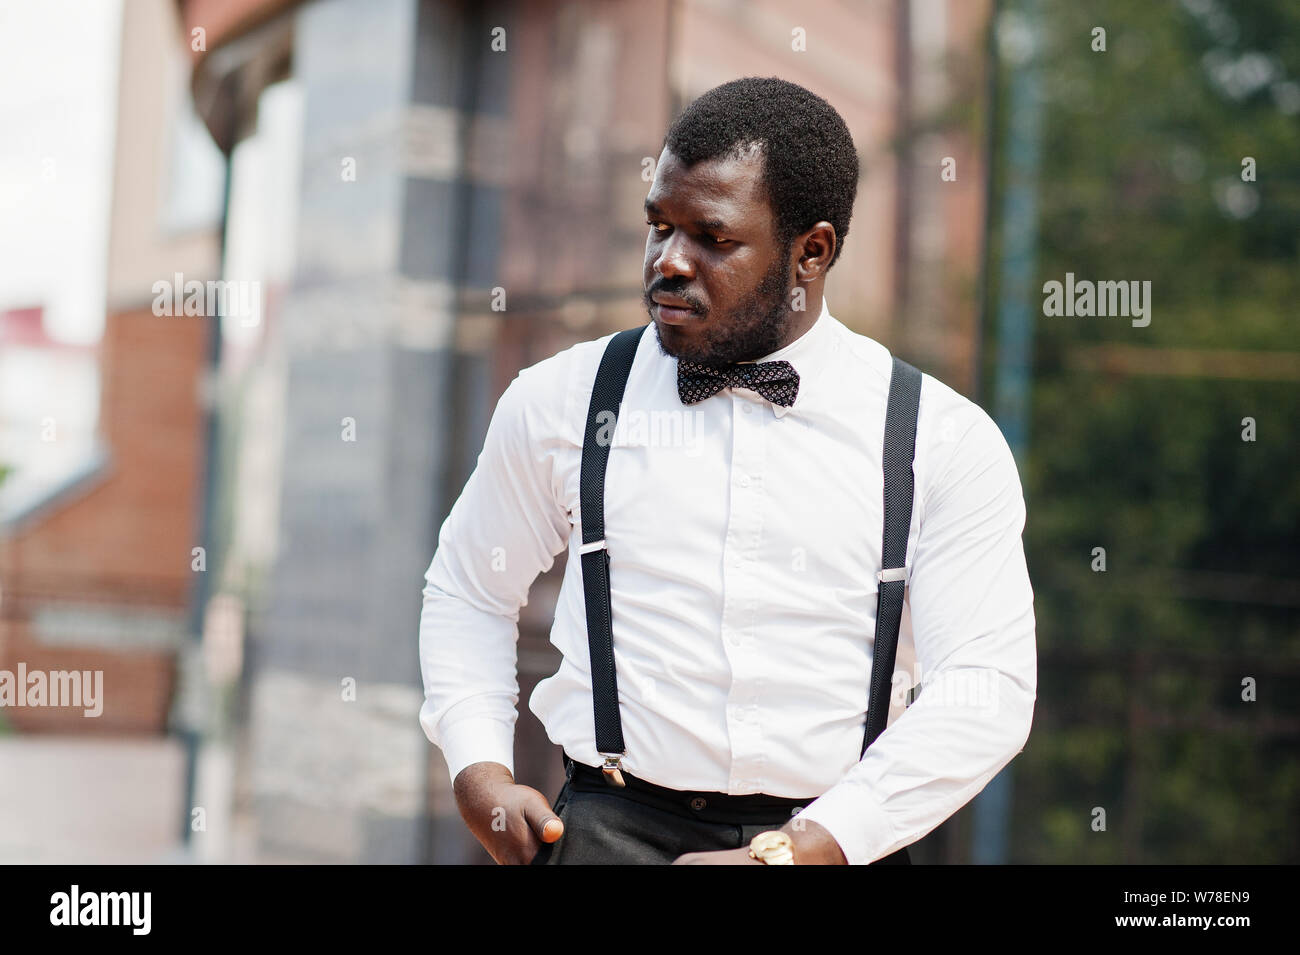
x: 747, y: 333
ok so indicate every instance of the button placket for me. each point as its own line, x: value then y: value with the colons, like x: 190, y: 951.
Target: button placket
x: 742, y: 570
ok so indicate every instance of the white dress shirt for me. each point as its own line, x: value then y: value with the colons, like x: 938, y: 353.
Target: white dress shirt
x: 744, y: 540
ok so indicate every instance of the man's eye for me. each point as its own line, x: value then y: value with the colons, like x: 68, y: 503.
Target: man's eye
x: 716, y: 240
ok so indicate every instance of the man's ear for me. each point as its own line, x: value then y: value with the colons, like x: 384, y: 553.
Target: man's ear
x: 816, y: 248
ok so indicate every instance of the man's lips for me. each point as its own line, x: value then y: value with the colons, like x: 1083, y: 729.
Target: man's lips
x: 674, y: 316
x: 673, y: 310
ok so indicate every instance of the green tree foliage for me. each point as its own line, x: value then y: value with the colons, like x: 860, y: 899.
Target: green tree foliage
x: 1135, y: 435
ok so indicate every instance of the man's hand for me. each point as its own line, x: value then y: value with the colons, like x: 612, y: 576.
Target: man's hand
x: 509, y: 820
x: 813, y: 845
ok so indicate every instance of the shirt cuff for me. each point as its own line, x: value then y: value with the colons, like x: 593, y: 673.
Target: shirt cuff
x: 474, y: 740
x: 850, y: 813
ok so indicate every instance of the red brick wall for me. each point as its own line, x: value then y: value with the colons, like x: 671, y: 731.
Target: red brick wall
x: 126, y: 539
x: 135, y: 694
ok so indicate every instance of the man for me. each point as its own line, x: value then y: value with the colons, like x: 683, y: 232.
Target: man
x: 743, y: 547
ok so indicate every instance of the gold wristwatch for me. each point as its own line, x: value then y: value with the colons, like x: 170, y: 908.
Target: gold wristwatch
x: 772, y: 848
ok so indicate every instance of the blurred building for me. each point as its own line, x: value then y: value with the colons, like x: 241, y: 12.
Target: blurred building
x: 94, y: 560
x: 101, y: 507
x: 100, y: 518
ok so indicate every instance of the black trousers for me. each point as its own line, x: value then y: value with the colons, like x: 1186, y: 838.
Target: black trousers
x: 645, y: 824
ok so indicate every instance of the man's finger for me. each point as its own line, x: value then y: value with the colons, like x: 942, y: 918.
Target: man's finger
x: 545, y: 823
x: 552, y: 829
x: 548, y: 827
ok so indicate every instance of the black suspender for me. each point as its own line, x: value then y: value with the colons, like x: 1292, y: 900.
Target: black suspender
x: 900, y: 449
x: 606, y: 396
x: 602, y: 414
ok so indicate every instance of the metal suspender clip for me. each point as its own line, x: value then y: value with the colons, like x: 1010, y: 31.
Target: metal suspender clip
x: 594, y: 545
x: 613, y: 769
x: 891, y: 573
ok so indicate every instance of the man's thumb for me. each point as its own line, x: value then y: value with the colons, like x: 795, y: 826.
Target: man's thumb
x: 545, y: 823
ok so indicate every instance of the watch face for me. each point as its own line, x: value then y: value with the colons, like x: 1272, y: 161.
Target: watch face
x: 773, y: 847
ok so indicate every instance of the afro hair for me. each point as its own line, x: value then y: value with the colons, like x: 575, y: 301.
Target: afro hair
x: 810, y: 168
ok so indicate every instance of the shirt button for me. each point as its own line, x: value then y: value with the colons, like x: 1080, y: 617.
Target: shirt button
x: 748, y: 409
x: 744, y: 480
x: 698, y: 803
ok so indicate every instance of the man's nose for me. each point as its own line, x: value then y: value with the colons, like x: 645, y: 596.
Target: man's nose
x: 674, y: 259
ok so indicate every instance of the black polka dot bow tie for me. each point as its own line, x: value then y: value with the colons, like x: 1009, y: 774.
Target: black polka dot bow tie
x: 777, y: 381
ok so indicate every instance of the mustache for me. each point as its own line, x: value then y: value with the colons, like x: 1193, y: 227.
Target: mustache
x: 648, y: 296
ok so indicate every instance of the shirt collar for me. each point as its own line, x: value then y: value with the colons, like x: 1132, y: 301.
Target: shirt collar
x: 807, y: 354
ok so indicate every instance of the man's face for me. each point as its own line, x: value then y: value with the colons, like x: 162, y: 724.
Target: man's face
x: 712, y: 248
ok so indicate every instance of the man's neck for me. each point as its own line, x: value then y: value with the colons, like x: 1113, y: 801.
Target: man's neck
x: 804, y: 320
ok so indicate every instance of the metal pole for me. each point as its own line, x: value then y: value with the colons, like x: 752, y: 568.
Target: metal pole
x: 1018, y: 42
x: 191, y: 734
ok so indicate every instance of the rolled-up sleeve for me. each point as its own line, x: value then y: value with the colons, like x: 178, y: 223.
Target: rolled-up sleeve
x: 972, y: 616
x: 506, y: 527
